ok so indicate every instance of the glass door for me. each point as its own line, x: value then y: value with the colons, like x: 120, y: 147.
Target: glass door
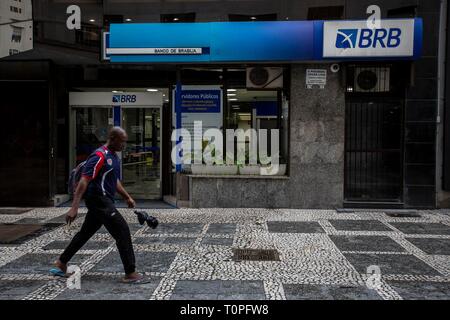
x: 92, y: 127
x: 141, y: 165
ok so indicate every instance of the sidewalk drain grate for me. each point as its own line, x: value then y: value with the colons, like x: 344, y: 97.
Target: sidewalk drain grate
x: 255, y: 255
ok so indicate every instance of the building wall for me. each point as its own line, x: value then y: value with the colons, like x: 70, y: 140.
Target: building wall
x: 317, y: 141
x: 7, y: 15
x: 25, y: 165
x: 316, y: 148
x: 316, y: 165
x: 19, y: 20
x: 420, y: 116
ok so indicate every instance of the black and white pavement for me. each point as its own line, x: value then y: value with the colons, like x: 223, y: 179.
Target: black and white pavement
x: 323, y: 254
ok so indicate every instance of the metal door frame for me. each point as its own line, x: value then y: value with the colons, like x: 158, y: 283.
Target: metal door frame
x: 398, y: 94
x: 160, y: 136
x: 72, y: 135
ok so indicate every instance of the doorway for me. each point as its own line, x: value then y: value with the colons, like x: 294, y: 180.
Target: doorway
x: 374, y: 135
x: 141, y: 159
x: 140, y: 115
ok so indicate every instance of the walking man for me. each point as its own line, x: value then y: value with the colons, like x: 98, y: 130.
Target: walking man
x: 99, y: 183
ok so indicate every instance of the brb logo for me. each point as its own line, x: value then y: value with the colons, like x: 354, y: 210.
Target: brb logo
x: 118, y: 98
x: 368, y: 38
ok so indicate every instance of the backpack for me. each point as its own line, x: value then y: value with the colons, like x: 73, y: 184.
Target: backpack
x: 75, y: 174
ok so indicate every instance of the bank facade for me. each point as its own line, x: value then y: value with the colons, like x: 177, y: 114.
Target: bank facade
x: 360, y: 111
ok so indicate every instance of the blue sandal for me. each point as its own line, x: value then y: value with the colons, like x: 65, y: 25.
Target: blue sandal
x: 57, y: 272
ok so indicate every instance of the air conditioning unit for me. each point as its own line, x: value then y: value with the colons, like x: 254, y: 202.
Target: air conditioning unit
x: 376, y: 79
x: 264, y: 78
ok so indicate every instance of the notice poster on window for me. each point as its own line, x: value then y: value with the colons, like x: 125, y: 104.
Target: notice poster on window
x: 200, y: 103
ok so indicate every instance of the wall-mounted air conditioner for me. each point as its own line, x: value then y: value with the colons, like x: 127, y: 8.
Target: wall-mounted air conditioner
x: 264, y: 78
x: 375, y: 79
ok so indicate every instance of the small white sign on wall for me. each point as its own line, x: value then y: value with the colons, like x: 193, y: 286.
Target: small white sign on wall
x: 316, y: 78
x: 137, y: 129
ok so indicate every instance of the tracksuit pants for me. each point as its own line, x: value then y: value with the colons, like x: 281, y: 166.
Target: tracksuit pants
x: 101, y: 211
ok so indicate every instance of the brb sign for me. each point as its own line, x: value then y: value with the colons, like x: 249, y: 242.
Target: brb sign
x: 394, y: 38
x: 124, y: 98
x: 367, y: 38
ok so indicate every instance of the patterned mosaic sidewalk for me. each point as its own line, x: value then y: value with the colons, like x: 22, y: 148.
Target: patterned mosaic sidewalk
x: 323, y: 254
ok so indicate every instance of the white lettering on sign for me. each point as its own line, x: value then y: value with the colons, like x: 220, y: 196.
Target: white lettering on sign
x: 394, y: 38
x: 154, y: 51
x: 316, y: 77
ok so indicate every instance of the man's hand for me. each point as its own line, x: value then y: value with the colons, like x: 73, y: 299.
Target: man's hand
x: 121, y: 190
x: 71, y: 215
x: 131, y: 203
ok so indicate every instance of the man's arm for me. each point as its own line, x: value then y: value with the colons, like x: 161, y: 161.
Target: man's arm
x: 81, y: 189
x: 121, y: 190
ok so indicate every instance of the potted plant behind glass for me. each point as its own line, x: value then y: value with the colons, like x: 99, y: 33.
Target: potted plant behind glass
x: 213, y: 168
x: 248, y: 169
x: 271, y: 169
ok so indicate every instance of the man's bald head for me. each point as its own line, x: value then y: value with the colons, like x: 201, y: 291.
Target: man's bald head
x: 117, y: 138
x: 116, y: 132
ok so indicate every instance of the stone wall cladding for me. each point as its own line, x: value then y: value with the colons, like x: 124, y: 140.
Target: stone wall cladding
x: 317, y: 127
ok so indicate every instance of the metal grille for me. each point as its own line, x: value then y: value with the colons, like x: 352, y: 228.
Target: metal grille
x: 255, y: 255
x: 373, y: 149
x: 374, y: 133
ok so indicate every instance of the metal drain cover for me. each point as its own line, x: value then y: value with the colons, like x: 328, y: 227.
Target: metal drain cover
x: 255, y: 255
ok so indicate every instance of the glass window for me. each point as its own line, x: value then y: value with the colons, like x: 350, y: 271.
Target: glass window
x: 16, y: 34
x: 249, y: 106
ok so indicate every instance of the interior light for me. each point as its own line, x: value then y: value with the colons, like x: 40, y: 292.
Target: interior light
x: 152, y: 90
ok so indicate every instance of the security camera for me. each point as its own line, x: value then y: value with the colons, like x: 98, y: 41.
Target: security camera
x: 335, y: 67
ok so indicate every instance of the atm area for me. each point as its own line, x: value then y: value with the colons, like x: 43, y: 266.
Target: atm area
x: 148, y: 116
x: 94, y: 112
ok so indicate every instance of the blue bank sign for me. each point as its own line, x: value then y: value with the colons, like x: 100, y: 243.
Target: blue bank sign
x: 394, y: 38
x: 281, y: 41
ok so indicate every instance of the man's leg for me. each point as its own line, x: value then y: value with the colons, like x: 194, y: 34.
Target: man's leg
x: 90, y: 226
x: 119, y: 230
